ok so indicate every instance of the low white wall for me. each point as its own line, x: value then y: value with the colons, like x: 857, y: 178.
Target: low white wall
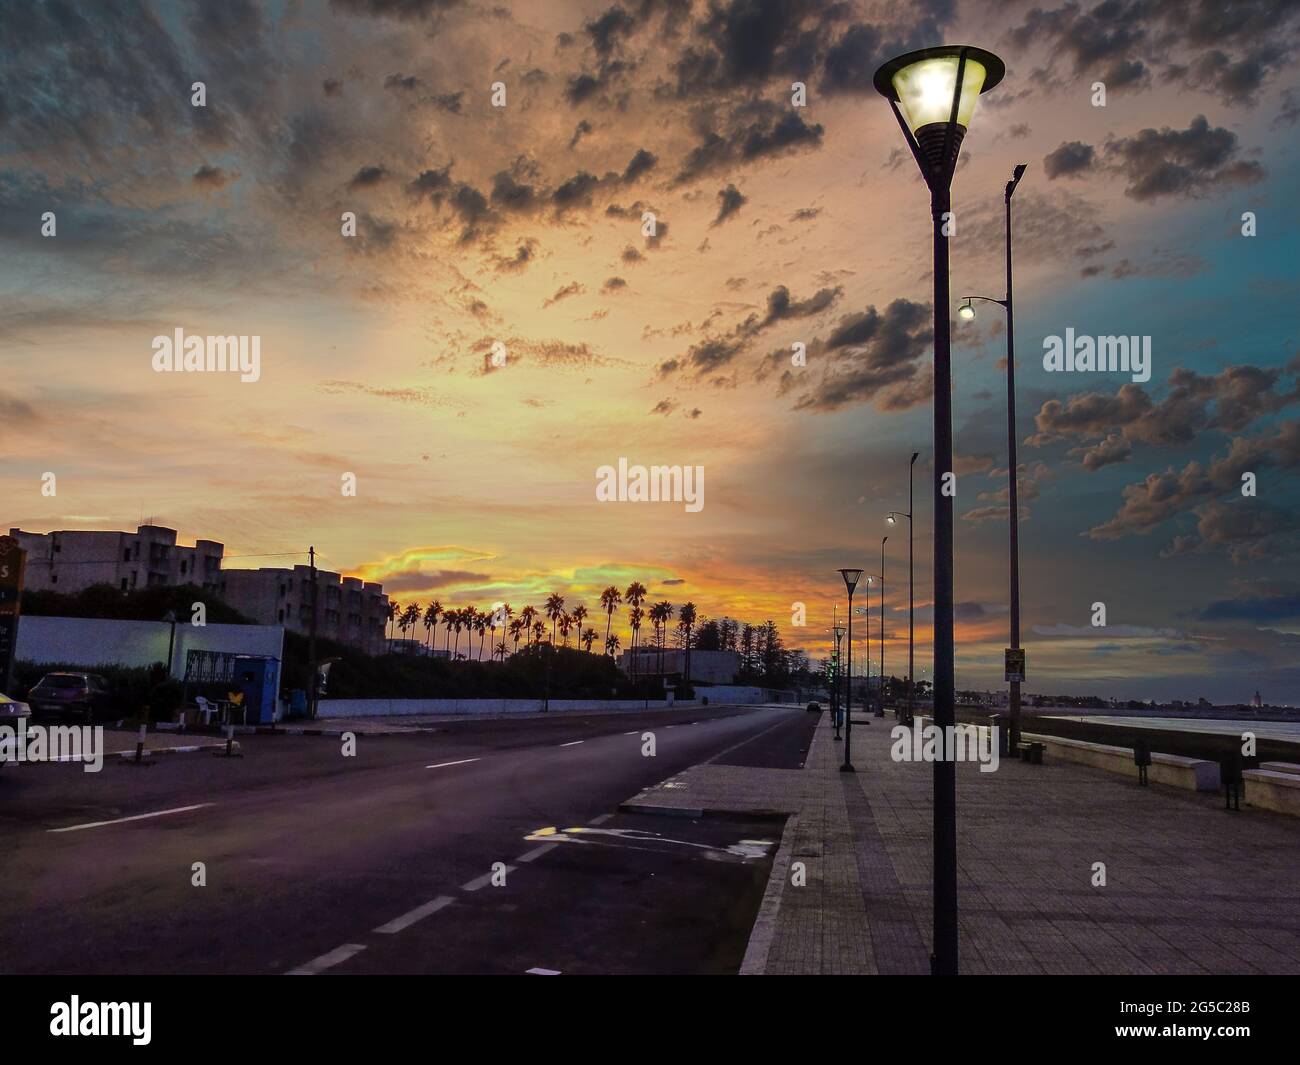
x: 495, y: 707
x: 91, y: 642
x: 1273, y: 790
x: 1193, y: 774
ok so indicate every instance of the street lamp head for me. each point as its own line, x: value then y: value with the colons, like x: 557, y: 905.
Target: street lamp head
x: 851, y: 578
x: 891, y: 519
x: 934, y: 90
x: 966, y: 310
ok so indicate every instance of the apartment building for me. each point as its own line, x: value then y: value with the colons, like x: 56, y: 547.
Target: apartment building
x: 71, y: 560
x: 348, y: 609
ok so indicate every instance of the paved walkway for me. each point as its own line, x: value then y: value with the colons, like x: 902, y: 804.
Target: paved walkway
x: 1190, y: 888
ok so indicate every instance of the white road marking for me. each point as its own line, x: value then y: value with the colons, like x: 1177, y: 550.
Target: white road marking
x: 483, y: 881
x: 417, y: 914
x: 326, y: 961
x: 632, y: 733
x: 572, y: 743
x: 136, y: 817
x: 537, y: 852
x: 444, y: 765
x: 543, y: 972
x: 600, y: 820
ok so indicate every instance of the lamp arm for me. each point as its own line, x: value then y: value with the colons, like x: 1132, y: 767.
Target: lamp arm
x: 911, y: 142
x: 986, y: 299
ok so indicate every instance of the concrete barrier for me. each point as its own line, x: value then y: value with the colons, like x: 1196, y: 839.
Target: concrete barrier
x: 1281, y: 767
x: 1192, y: 774
x: 1272, y: 790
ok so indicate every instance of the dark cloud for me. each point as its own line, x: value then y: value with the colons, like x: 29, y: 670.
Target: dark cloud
x: 730, y: 200
x: 332, y: 87
x: 403, y: 82
x: 1259, y: 608
x: 213, y: 177
x: 639, y: 165
x: 399, y: 9
x: 579, y: 131
x: 1072, y: 157
x: 664, y: 406
x: 877, y: 360
x: 1189, y: 162
x: 574, y: 288
x: 614, y: 284
x: 368, y: 177
x: 755, y: 131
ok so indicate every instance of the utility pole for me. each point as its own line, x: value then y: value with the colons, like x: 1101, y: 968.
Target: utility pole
x: 311, y: 639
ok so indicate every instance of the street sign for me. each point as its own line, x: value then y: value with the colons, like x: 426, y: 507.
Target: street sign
x: 1015, y: 665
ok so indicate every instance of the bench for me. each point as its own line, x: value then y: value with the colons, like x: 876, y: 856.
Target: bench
x: 1270, y: 789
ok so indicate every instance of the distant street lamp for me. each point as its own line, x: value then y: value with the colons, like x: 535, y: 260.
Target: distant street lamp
x: 932, y: 94
x: 880, y: 706
x: 911, y: 587
x: 967, y: 311
x: 851, y: 578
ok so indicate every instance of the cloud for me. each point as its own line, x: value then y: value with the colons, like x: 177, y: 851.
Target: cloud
x: 574, y: 288
x: 213, y: 177
x: 730, y: 200
x: 1071, y: 158
x: 1259, y: 608
x: 367, y: 177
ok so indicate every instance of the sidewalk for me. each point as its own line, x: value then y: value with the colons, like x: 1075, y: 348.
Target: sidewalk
x: 1190, y: 888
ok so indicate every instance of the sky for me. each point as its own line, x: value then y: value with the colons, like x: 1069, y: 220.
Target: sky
x: 778, y: 221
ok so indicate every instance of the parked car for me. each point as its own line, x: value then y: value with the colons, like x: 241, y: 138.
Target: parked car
x: 815, y: 707
x: 84, y: 695
x: 14, y: 715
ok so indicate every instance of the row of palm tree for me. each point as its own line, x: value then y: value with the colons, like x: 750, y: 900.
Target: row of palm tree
x: 527, y: 625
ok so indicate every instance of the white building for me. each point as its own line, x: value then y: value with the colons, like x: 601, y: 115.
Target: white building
x: 71, y: 560
x: 707, y: 667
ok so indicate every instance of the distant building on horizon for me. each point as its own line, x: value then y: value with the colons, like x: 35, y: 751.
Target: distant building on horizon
x: 1256, y: 702
x: 348, y: 609
x: 707, y: 667
x: 71, y: 560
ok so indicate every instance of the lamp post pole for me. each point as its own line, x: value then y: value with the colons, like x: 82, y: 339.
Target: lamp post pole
x: 932, y: 86
x: 836, y: 691
x: 880, y: 708
x: 851, y: 578
x: 967, y: 310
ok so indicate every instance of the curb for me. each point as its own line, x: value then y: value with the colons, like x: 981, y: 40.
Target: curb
x: 765, y: 921
x: 151, y: 751
x: 691, y: 812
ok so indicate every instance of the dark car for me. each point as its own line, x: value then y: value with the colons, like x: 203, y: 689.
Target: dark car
x: 83, y: 695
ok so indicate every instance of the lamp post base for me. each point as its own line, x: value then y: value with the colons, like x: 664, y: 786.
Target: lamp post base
x: 847, y: 768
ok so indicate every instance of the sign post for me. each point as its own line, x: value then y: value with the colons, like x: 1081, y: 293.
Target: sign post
x: 13, y: 561
x: 1015, y: 665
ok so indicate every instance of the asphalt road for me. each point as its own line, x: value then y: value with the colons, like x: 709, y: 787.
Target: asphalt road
x: 384, y: 862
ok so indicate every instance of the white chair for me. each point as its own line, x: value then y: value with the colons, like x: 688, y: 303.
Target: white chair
x: 207, y: 709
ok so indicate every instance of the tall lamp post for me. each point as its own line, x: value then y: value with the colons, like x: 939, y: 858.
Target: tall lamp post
x: 967, y: 311
x: 880, y: 706
x: 851, y: 578
x: 835, y: 692
x: 932, y: 94
x: 892, y: 518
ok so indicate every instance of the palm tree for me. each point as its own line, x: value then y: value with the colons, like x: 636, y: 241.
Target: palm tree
x: 492, y: 627
x: 588, y: 638
x: 612, y: 644
x: 609, y: 599
x: 661, y: 613
x: 527, y: 615
x: 686, y: 622
x: 431, y: 613
x: 566, y: 627
x: 458, y: 619
x: 515, y: 627
x: 448, y: 619
x: 634, y: 597
x: 635, y: 616
x: 501, y: 650
x: 393, y: 611
x: 481, y: 619
x: 579, y: 614
x: 539, y: 630
x: 554, y: 608
x: 410, y: 618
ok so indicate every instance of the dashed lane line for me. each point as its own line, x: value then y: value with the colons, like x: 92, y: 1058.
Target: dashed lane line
x: 327, y: 961
x: 418, y: 914
x: 444, y: 765
x: 484, y: 880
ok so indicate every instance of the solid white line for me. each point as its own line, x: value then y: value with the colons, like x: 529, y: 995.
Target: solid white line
x: 444, y: 765
x: 484, y: 880
x: 572, y: 743
x: 136, y: 817
x: 632, y: 733
x: 326, y: 961
x: 417, y: 914
x: 543, y: 972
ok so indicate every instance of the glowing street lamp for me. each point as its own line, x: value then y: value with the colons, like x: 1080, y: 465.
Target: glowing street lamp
x: 933, y: 94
